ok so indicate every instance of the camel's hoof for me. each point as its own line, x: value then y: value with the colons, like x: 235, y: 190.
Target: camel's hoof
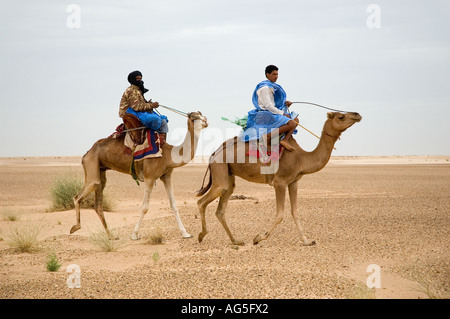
x: 186, y: 236
x: 238, y: 242
x: 74, y: 228
x: 200, y: 237
x: 309, y: 243
x: 257, y: 239
x: 135, y: 236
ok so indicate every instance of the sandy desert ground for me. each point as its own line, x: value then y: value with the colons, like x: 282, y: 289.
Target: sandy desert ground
x: 389, y: 211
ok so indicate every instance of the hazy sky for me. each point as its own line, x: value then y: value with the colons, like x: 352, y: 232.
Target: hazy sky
x: 63, y: 74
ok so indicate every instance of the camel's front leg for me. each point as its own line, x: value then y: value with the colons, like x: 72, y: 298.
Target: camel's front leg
x: 147, y: 192
x: 293, y: 188
x: 167, y: 180
x: 280, y: 194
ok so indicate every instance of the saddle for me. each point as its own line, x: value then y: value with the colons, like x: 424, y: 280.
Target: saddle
x: 141, y: 142
x: 137, y: 129
x: 254, y: 148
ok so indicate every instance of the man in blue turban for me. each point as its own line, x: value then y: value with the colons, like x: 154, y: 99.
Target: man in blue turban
x: 133, y: 102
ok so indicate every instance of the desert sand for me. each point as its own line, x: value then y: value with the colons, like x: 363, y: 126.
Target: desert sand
x: 392, y: 212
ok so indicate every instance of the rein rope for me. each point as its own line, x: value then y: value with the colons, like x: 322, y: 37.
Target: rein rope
x: 318, y: 105
x: 166, y: 107
x: 174, y: 110
x: 324, y: 107
x: 133, y: 129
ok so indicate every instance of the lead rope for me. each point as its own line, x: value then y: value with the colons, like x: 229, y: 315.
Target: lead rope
x: 310, y: 132
x: 174, y: 110
x: 169, y: 108
x: 324, y: 107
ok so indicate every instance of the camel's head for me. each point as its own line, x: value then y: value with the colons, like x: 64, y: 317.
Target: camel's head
x: 199, y: 121
x: 342, y: 121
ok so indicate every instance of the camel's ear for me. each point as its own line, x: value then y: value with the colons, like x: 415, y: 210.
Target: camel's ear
x: 330, y: 115
x: 200, y: 113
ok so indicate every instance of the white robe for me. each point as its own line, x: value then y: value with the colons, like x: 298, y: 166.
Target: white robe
x: 266, y: 101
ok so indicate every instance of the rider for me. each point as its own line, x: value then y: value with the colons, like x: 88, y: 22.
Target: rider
x: 133, y: 102
x: 271, y: 111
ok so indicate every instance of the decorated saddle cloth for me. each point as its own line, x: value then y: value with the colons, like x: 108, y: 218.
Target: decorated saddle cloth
x: 256, y: 148
x: 259, y: 149
x: 150, y: 148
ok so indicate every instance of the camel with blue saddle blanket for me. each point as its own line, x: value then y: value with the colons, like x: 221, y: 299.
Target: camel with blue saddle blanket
x: 234, y: 158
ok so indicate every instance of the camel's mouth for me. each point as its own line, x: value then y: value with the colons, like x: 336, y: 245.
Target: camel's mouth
x: 355, y: 116
x: 201, y: 118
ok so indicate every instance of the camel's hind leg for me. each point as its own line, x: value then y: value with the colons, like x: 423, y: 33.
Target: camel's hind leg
x: 220, y: 213
x: 85, y: 191
x: 220, y: 184
x: 94, y: 181
x: 99, y: 202
x: 202, y: 203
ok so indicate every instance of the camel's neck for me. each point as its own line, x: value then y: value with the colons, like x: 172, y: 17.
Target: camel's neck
x: 317, y: 159
x: 185, y: 152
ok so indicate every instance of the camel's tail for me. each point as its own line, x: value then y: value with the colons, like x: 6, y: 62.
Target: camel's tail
x: 215, y: 155
x: 204, y: 189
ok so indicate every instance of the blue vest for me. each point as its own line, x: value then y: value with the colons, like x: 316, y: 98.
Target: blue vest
x: 279, y: 95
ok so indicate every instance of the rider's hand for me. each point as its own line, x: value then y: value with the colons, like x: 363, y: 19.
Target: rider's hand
x: 288, y: 103
x: 155, y: 105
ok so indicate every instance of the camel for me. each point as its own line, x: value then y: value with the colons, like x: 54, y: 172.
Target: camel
x: 225, y: 165
x: 108, y: 153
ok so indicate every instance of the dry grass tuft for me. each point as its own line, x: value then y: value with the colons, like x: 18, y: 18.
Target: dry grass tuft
x: 104, y: 243
x: 64, y: 190
x: 361, y: 291
x: 24, y: 238
x: 155, y: 238
x: 9, y: 214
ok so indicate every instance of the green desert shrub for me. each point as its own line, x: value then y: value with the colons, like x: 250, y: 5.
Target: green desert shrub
x: 53, y: 263
x: 64, y: 190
